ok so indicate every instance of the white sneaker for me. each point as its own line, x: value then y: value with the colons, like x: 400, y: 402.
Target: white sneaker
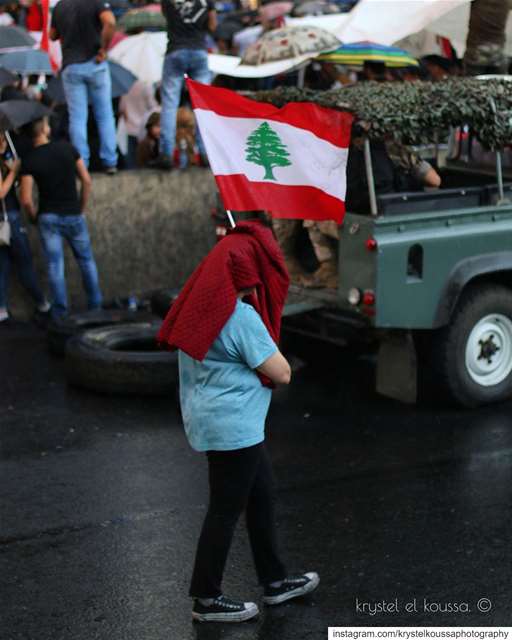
x: 224, y: 609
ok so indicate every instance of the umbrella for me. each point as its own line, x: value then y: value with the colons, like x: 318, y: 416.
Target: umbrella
x: 142, y: 54
x: 116, y: 38
x: 227, y: 29
x: 315, y: 8
x: 16, y: 113
x: 6, y: 78
x: 15, y: 37
x: 142, y: 20
x: 289, y: 42
x: 29, y: 61
x: 122, y: 82
x: 275, y: 10
x: 354, y: 55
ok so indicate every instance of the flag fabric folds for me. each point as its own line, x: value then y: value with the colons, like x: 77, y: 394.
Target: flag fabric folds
x: 289, y: 161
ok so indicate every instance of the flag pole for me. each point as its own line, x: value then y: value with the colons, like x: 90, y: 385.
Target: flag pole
x: 231, y: 219
x: 11, y: 145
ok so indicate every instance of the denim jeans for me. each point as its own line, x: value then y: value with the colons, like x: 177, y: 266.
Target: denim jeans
x: 19, y: 253
x: 194, y: 62
x: 240, y: 481
x: 53, y: 229
x: 84, y: 83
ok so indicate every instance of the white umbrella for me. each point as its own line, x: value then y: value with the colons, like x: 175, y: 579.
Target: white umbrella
x: 455, y: 26
x: 142, y: 54
x: 232, y: 66
x: 386, y: 21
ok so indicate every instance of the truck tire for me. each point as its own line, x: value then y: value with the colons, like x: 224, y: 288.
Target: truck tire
x: 473, y: 354
x: 122, y: 359
x: 162, y: 300
x: 59, y: 332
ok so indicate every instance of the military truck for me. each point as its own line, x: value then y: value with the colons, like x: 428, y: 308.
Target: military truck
x: 426, y: 274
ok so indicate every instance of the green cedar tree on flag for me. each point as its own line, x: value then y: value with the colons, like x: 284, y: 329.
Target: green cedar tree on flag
x: 264, y: 147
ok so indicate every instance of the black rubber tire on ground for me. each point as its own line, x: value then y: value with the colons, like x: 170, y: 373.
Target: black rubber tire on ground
x: 162, y: 300
x: 59, y: 332
x: 122, y: 359
x: 449, y: 346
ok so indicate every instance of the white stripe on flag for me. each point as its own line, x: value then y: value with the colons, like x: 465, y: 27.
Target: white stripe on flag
x: 314, y: 162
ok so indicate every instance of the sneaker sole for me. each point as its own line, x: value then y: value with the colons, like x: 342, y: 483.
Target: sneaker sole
x: 225, y: 617
x: 296, y: 593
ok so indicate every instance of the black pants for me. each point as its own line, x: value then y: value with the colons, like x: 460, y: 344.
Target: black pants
x: 240, y: 480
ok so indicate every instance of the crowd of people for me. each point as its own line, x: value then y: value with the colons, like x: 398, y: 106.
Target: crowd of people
x: 84, y: 130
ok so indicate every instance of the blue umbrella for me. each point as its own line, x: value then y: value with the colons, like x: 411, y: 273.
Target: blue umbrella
x: 6, y: 78
x: 122, y: 82
x: 12, y: 36
x: 27, y: 62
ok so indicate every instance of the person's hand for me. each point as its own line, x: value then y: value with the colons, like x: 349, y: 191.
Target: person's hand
x: 13, y: 165
x: 101, y: 56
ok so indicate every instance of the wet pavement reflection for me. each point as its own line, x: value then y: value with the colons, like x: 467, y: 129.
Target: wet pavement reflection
x: 102, y: 500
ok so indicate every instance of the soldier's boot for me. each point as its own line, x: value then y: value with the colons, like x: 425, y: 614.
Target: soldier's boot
x: 326, y: 276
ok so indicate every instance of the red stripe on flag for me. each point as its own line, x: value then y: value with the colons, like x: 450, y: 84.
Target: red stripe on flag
x: 45, y: 8
x: 328, y: 124
x: 283, y: 201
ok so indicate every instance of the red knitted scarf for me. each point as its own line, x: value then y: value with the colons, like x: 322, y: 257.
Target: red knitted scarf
x: 248, y: 256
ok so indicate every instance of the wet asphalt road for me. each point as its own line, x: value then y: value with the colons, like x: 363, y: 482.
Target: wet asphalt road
x: 102, y: 500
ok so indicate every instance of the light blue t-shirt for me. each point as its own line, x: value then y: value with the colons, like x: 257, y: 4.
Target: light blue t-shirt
x: 223, y: 403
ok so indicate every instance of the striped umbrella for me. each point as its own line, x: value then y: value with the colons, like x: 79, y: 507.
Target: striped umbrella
x: 142, y: 20
x: 355, y: 54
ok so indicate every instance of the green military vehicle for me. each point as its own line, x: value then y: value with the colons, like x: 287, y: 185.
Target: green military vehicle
x: 427, y: 274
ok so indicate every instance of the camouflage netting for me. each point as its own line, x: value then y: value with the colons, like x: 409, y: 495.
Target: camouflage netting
x: 415, y: 112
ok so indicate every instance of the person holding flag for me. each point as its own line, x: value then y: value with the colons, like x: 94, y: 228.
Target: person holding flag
x: 225, y: 324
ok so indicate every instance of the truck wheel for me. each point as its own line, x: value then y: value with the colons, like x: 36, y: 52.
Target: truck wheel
x: 473, y: 354
x: 122, y: 359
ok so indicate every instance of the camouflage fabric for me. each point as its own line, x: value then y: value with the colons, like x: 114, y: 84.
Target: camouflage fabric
x: 320, y: 240
x: 484, y: 57
x: 286, y: 232
x: 486, y: 36
x: 405, y: 158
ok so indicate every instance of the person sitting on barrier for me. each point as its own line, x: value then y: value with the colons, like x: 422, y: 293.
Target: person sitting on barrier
x: 148, y: 148
x: 226, y: 324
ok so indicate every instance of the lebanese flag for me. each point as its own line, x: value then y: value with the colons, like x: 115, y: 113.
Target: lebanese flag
x: 289, y: 161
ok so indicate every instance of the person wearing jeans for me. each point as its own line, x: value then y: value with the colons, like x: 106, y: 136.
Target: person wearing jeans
x: 194, y: 62
x: 85, y: 29
x: 54, y: 167
x: 187, y: 25
x: 53, y: 230
x: 84, y: 82
x: 18, y: 251
x: 19, y: 254
x: 228, y: 364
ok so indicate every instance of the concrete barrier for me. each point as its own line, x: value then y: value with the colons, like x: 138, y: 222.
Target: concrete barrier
x: 149, y: 229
